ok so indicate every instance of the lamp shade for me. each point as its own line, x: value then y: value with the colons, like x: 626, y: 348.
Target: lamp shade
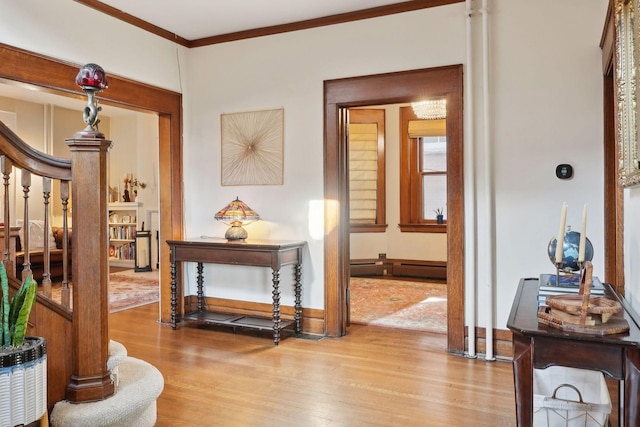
x: 237, y: 210
x: 236, y: 214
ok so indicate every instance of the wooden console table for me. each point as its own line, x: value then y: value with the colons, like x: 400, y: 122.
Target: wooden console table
x: 259, y: 253
x: 536, y: 345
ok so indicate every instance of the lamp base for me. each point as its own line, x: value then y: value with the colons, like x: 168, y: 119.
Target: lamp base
x: 235, y: 232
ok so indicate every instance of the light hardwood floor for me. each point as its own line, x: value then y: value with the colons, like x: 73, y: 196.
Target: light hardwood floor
x: 371, y: 377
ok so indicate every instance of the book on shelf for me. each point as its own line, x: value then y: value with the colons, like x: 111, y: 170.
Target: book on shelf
x: 548, y: 285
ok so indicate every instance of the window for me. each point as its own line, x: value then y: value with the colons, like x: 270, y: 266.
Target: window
x: 366, y: 171
x: 433, y: 174
x: 423, y: 173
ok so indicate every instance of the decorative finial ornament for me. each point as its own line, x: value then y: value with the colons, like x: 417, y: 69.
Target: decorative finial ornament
x: 92, y: 79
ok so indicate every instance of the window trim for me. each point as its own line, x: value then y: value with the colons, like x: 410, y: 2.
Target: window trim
x: 410, y: 181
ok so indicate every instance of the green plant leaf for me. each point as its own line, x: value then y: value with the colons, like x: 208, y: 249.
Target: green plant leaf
x: 24, y: 309
x: 4, y: 309
x: 15, y: 305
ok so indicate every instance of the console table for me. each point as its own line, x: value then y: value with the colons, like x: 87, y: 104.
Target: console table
x: 536, y: 345
x: 259, y: 253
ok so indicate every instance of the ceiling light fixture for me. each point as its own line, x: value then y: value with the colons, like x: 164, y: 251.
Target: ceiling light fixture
x: 430, y: 109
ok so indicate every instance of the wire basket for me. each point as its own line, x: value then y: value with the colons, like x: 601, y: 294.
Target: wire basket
x: 558, y: 401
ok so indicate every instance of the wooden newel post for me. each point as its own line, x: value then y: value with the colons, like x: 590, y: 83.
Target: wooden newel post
x: 90, y: 380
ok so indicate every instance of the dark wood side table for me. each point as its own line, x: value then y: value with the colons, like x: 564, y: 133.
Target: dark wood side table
x: 259, y: 253
x: 536, y: 345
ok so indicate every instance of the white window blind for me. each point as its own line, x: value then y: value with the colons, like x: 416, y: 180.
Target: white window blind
x: 363, y: 172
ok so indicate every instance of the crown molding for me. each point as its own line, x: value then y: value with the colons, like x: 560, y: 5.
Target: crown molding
x: 341, y: 18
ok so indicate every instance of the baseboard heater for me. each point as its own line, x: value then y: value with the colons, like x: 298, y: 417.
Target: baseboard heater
x: 368, y: 267
x: 399, y: 268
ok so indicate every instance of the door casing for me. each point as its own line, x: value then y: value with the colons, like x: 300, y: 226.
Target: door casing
x: 390, y: 88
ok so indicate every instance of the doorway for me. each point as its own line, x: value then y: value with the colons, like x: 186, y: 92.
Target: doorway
x: 23, y: 67
x: 397, y: 278
x: 401, y: 87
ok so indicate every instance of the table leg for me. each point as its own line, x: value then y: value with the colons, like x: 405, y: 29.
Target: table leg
x: 298, y: 301
x: 523, y: 379
x: 200, y: 282
x: 632, y: 388
x: 276, y: 306
x: 174, y: 298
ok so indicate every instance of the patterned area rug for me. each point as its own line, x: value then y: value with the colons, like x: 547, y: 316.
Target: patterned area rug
x: 127, y: 289
x: 399, y: 304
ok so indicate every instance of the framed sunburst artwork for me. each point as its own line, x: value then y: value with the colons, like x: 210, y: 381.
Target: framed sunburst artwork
x: 252, y: 147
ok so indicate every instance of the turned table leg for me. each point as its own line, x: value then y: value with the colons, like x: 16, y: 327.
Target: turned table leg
x: 298, y: 300
x: 276, y: 306
x: 200, y: 286
x: 174, y: 298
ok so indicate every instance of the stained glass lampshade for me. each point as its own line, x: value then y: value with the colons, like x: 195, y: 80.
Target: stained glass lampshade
x: 236, y: 214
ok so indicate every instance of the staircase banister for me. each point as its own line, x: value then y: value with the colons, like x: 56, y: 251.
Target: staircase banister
x: 26, y: 157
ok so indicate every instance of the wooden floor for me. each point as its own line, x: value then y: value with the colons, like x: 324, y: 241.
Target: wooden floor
x: 371, y: 377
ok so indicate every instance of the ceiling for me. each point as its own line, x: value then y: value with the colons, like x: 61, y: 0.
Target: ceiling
x: 196, y: 19
x: 196, y: 23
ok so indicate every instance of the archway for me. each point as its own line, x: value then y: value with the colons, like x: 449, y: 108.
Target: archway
x: 25, y: 67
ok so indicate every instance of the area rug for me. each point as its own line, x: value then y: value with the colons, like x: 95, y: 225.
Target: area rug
x: 420, y: 306
x: 127, y: 289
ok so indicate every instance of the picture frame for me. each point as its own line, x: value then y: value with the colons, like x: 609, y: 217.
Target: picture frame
x: 252, y: 147
x: 627, y: 30
x: 126, y: 219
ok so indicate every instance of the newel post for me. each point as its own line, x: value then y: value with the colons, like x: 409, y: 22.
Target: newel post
x: 90, y: 270
x: 90, y: 379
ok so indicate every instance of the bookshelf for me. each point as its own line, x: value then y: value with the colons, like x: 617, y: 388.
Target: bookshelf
x: 123, y: 217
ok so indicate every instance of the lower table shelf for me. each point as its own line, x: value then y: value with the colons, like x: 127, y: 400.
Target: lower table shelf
x: 235, y: 320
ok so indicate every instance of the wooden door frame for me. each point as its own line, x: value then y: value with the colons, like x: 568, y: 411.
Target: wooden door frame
x: 613, y: 192
x: 58, y: 77
x: 390, y: 88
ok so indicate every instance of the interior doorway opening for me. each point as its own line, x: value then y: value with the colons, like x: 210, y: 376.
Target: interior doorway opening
x: 397, y: 278
x: 402, y: 87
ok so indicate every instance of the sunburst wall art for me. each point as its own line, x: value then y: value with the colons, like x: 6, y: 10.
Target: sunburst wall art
x: 252, y: 147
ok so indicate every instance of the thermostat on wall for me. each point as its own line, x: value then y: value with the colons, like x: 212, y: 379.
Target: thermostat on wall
x: 564, y: 171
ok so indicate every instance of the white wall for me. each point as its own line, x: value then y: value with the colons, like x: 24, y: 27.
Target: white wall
x: 288, y: 70
x: 547, y: 109
x: 135, y: 151
x: 80, y: 35
x: 135, y: 148
x: 76, y: 33
x: 45, y: 128
x: 546, y: 93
